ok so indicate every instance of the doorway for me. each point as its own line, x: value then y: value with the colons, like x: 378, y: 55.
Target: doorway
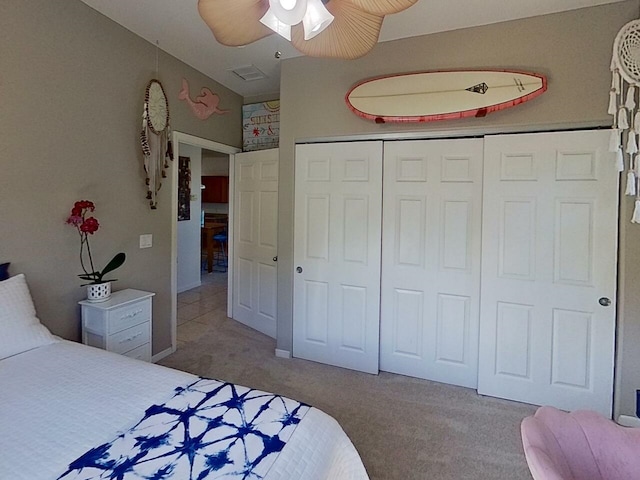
x: 213, y: 217
x: 186, y: 238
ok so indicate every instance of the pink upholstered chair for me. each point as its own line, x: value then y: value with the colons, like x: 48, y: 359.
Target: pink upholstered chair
x: 582, y: 445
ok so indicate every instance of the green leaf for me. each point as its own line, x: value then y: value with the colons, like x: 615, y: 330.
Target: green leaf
x: 88, y: 276
x: 115, y: 262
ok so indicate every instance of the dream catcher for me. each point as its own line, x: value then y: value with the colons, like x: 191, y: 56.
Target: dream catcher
x: 317, y: 28
x: 625, y: 66
x: 154, y: 138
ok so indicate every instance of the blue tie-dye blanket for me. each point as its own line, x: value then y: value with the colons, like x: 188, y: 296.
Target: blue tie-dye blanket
x: 207, y: 430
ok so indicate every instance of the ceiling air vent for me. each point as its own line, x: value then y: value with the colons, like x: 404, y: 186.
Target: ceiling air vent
x: 249, y: 73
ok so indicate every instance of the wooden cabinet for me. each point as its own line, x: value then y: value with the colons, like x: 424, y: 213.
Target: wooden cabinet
x: 121, y: 324
x: 216, y: 189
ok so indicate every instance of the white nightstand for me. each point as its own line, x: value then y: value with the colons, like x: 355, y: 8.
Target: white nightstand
x: 121, y: 324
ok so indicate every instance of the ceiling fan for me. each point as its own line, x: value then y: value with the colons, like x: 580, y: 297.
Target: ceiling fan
x: 318, y: 28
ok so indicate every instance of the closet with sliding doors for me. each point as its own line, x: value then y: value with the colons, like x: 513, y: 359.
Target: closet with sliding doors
x: 487, y: 262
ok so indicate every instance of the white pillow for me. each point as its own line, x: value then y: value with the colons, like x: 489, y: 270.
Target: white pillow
x: 20, y: 329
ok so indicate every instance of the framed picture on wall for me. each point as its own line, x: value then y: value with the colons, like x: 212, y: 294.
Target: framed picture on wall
x: 184, y: 188
x: 260, y: 126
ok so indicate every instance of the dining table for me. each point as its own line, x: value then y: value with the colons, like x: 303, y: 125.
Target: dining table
x: 208, y: 244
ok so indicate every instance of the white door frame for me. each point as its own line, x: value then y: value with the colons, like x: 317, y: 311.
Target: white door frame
x: 177, y: 139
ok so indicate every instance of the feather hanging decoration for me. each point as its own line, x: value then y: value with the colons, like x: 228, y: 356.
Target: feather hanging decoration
x: 632, y: 144
x: 613, y: 93
x: 623, y: 121
x: 632, y: 177
x: 631, y: 184
x: 155, y: 147
x: 625, y: 74
x: 613, y: 103
x: 630, y: 103
x: 636, y: 213
x: 615, y: 80
x: 619, y: 160
x: 614, y: 140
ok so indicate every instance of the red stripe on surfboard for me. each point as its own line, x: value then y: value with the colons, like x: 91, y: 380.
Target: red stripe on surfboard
x: 475, y: 112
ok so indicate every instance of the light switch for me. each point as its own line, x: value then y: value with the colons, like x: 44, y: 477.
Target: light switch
x: 146, y: 241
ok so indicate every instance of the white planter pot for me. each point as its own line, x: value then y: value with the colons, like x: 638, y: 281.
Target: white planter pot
x: 98, y: 292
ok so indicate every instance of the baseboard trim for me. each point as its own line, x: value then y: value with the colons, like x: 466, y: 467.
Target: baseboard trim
x: 283, y: 353
x: 165, y: 353
x: 184, y: 288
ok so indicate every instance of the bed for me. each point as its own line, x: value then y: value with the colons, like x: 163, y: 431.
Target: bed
x: 68, y: 411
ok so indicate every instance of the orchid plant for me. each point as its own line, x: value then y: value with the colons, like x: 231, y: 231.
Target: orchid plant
x: 87, y: 225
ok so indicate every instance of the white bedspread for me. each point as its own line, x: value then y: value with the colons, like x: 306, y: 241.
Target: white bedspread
x: 60, y: 400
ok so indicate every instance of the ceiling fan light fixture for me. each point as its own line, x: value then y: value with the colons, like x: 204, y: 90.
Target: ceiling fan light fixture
x: 316, y: 19
x: 270, y: 20
x: 287, y: 11
x: 354, y: 31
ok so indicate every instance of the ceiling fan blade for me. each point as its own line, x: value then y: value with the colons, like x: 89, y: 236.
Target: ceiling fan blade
x: 382, y: 7
x: 235, y: 22
x: 352, y: 34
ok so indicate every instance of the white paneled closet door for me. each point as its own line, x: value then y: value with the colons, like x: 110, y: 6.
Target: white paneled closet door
x: 549, y: 270
x: 256, y: 239
x: 336, y: 307
x: 431, y: 259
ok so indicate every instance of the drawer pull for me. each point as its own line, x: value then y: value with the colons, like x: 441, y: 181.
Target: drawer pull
x: 131, y: 315
x: 132, y: 337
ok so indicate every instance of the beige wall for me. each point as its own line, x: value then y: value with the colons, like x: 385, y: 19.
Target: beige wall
x: 215, y: 164
x: 71, y: 94
x: 573, y: 49
x: 267, y: 97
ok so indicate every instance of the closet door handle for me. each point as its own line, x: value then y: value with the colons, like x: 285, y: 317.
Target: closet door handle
x: 275, y: 259
x: 299, y: 269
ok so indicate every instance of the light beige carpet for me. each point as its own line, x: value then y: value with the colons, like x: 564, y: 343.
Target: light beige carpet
x: 404, y: 428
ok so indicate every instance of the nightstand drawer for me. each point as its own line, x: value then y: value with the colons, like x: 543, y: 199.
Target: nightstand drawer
x: 129, y: 339
x: 143, y: 352
x: 128, y: 316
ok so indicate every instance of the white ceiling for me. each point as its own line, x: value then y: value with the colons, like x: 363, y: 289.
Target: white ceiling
x: 179, y: 30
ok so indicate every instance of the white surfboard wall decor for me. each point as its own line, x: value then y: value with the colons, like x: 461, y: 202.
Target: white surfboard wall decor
x: 443, y: 95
